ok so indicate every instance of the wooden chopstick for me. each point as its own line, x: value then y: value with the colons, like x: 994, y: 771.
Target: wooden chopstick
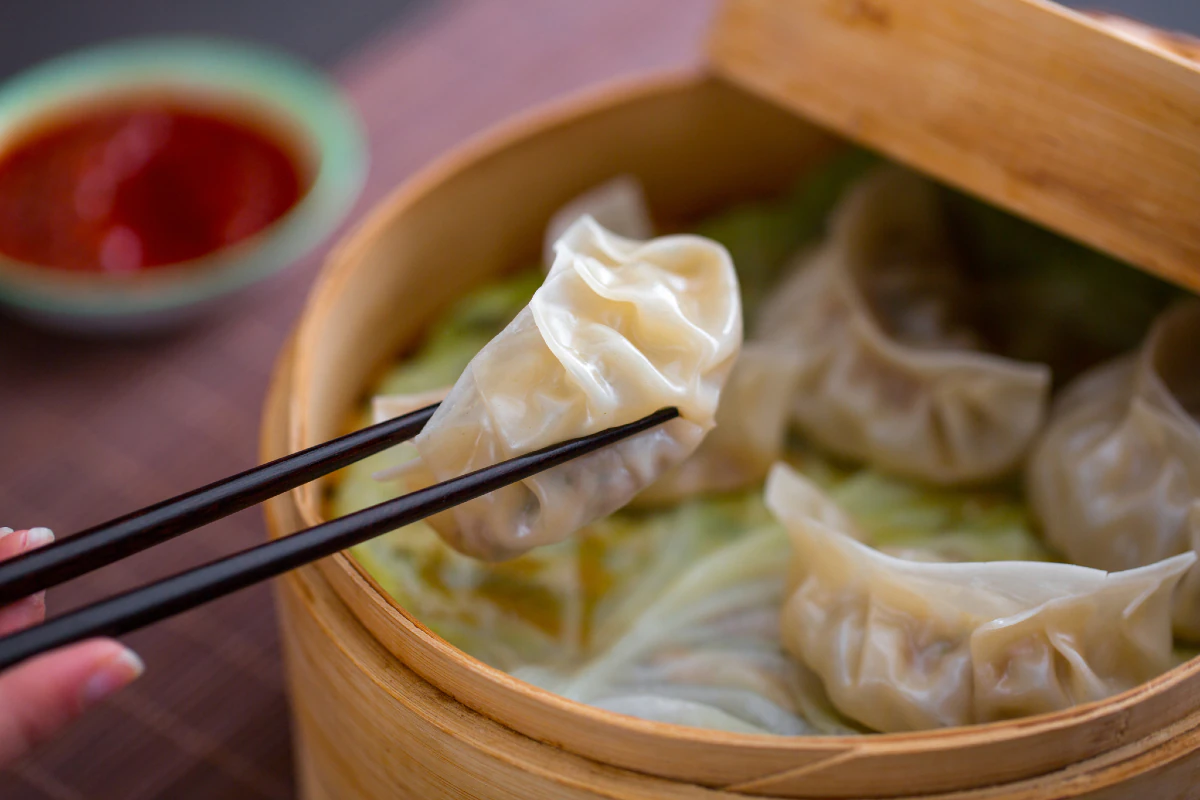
x: 111, y: 541
x: 156, y: 601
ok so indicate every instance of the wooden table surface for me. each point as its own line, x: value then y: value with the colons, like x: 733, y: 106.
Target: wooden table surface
x: 90, y: 429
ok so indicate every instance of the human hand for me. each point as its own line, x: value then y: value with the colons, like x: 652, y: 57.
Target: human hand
x: 43, y: 694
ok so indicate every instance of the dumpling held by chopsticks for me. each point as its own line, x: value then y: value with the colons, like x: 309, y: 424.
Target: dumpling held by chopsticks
x: 619, y: 329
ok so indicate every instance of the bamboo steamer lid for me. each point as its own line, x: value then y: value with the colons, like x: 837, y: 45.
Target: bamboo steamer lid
x: 1084, y: 123
x: 389, y: 278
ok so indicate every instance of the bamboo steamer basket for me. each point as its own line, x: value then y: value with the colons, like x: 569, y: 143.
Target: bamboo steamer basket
x: 367, y: 726
x: 385, y: 708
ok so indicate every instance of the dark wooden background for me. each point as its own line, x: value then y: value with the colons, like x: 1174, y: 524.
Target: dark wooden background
x: 90, y: 429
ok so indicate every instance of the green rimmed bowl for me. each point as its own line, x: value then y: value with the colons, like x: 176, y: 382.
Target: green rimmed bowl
x: 308, y: 112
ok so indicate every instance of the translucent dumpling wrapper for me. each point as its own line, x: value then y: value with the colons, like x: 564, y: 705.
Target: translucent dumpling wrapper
x: 705, y: 652
x: 1115, y: 479
x: 619, y: 205
x: 906, y: 645
x: 750, y: 432
x: 892, y: 372
x: 619, y: 329
x: 390, y: 406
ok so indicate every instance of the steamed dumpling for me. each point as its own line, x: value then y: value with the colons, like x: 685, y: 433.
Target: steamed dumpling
x: 1115, y: 480
x: 906, y: 645
x: 618, y: 205
x: 750, y: 432
x: 619, y: 329
x: 890, y: 373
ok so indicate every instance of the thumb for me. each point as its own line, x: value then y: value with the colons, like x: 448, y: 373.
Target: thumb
x: 41, y: 695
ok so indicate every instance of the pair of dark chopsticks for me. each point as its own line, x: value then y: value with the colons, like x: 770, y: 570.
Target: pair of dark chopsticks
x: 104, y: 544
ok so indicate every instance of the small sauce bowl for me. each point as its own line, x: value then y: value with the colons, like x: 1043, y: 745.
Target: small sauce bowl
x: 269, y: 98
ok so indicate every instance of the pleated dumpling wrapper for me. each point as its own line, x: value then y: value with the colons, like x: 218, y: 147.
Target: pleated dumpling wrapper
x: 892, y: 373
x: 618, y: 205
x: 619, y: 329
x: 1115, y: 479
x: 750, y: 432
x: 908, y: 645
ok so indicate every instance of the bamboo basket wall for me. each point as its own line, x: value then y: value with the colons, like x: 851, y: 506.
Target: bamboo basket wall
x: 385, y: 708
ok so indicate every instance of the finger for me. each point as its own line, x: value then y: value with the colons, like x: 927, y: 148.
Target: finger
x: 13, y: 543
x: 22, y: 614
x: 31, y: 610
x: 41, y: 695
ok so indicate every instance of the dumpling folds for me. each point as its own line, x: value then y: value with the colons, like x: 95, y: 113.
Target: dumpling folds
x: 618, y: 205
x: 906, y: 645
x: 750, y: 432
x: 1115, y: 480
x: 890, y: 374
x: 619, y: 329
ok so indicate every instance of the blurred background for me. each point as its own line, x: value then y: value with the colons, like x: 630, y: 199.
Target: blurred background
x: 320, y: 30
x: 91, y: 427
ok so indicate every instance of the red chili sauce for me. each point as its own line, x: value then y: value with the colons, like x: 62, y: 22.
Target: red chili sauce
x: 140, y: 185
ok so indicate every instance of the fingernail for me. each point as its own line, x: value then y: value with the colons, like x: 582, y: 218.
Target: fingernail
x: 5, y: 532
x: 38, y: 537
x: 26, y: 611
x: 111, y: 676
